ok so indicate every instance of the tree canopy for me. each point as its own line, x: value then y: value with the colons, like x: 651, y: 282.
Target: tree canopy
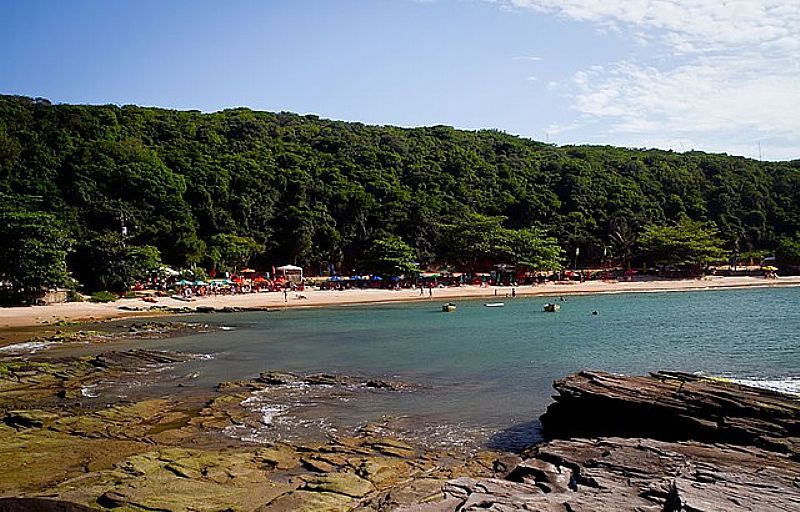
x: 686, y: 242
x: 318, y: 193
x: 33, y: 249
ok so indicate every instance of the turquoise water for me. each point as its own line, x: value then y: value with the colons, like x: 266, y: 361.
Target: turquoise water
x: 490, y: 370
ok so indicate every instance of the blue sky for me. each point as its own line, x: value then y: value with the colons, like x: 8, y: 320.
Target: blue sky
x: 675, y: 74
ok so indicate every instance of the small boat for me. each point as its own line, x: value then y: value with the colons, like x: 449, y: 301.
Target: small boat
x: 551, y: 307
x: 495, y: 304
x: 449, y: 307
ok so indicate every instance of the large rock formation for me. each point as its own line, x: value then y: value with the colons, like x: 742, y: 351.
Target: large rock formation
x: 673, y: 406
x: 675, y: 442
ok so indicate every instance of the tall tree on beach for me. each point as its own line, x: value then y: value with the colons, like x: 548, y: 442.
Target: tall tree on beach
x: 687, y: 242
x: 231, y: 252
x: 390, y: 256
x: 33, y: 251
x: 788, y: 252
x: 479, y: 237
x: 623, y: 238
x: 109, y: 262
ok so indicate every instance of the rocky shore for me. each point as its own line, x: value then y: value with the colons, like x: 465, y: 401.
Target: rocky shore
x: 664, y: 442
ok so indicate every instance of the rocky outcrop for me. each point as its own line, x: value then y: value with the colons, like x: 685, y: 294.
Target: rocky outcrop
x: 674, y: 442
x: 277, y: 378
x: 633, y: 474
x: 167, y: 453
x: 673, y: 406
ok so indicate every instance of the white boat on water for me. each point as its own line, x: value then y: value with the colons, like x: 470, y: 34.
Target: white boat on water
x: 551, y: 307
x: 495, y: 304
x: 449, y: 307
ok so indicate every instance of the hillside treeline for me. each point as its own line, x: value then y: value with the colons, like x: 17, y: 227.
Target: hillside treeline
x: 315, y: 192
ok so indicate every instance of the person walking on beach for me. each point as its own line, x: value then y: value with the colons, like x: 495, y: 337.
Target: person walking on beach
x: 513, y: 292
x: 430, y: 291
x: 285, y: 295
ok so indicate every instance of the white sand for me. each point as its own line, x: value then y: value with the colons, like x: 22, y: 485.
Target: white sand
x: 16, y: 317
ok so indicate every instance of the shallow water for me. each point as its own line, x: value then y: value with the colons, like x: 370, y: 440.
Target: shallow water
x: 487, y: 372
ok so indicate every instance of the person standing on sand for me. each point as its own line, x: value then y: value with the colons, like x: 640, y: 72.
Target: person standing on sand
x: 430, y: 291
x: 285, y: 295
x: 513, y: 292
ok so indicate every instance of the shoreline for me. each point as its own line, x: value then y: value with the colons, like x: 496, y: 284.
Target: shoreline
x: 22, y: 317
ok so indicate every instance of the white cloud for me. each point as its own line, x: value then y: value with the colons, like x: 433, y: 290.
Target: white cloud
x: 732, y: 76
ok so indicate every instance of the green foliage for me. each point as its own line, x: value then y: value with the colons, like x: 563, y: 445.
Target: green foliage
x: 788, y: 251
x: 390, y: 256
x: 103, y: 296
x: 315, y: 192
x: 476, y: 238
x: 686, y: 242
x: 231, y: 252
x: 33, y: 249
x: 108, y: 262
x: 73, y: 296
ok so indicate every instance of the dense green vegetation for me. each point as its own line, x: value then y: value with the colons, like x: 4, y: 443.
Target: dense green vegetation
x: 241, y: 187
x: 685, y: 243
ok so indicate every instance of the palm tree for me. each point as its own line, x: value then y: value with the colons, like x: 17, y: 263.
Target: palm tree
x: 623, y: 238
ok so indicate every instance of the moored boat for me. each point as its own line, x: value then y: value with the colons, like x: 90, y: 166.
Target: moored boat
x: 449, y: 307
x: 495, y: 304
x: 551, y: 307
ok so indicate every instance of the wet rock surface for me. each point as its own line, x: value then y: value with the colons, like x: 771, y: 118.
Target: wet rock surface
x: 673, y: 406
x: 76, y: 333
x: 722, y: 447
x: 175, y: 452
x: 634, y: 474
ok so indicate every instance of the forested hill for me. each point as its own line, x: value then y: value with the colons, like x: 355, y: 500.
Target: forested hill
x: 309, y: 190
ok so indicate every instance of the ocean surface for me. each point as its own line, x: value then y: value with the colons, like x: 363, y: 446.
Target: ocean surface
x: 486, y: 373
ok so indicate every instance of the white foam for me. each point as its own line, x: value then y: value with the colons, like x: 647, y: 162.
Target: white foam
x: 88, y: 391
x: 790, y: 385
x: 28, y: 347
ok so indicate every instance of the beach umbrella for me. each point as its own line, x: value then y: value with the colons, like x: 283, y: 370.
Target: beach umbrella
x: 769, y: 268
x: 335, y: 278
x: 377, y: 278
x: 199, y: 283
x: 184, y: 282
x: 247, y: 271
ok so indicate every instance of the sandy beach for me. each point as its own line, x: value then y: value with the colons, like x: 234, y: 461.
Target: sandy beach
x: 18, y: 317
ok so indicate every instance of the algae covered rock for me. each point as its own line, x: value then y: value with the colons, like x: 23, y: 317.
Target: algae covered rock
x: 33, y: 418
x: 339, y: 483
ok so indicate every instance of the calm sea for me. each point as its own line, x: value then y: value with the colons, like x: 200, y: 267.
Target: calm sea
x: 487, y: 372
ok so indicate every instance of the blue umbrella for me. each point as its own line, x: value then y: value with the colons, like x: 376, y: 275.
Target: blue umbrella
x: 377, y: 278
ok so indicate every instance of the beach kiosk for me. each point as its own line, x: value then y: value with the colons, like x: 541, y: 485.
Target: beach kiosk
x: 290, y: 273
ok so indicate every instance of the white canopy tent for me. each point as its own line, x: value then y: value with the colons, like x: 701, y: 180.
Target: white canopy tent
x: 290, y: 273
